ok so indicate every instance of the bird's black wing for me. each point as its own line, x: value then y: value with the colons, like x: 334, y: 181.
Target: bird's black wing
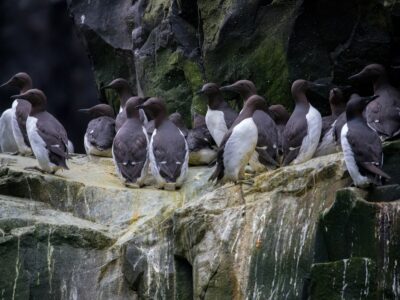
x: 55, y: 137
x: 366, y: 147
x: 326, y: 125
x: 120, y: 120
x: 267, y: 142
x: 218, y: 173
x: 130, y: 151
x: 22, y: 112
x: 293, y: 135
x: 100, y: 132
x: 199, y: 138
x: 230, y: 116
x: 338, y: 125
x: 170, y: 151
x: 383, y: 113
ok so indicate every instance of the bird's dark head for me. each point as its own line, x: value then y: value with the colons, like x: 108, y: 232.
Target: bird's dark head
x: 279, y: 114
x: 132, y: 106
x: 245, y: 88
x: 301, y: 86
x: 99, y: 110
x: 357, y: 104
x: 336, y: 96
x: 254, y: 103
x: 36, y: 97
x: 119, y: 85
x: 369, y: 74
x: 176, y: 118
x: 156, y: 107
x: 209, y: 89
x: 21, y: 80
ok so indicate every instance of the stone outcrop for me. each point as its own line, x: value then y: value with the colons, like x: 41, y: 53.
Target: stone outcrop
x: 170, y: 48
x: 84, y: 235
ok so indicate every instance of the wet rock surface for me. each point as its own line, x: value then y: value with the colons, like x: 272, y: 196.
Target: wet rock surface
x: 296, y: 232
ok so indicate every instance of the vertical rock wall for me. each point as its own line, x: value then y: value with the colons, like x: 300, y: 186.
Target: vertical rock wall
x: 170, y: 48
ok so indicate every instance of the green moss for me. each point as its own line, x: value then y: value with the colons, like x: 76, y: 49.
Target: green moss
x: 260, y: 57
x: 174, y: 78
x: 345, y: 279
x: 349, y: 227
x: 195, y: 79
x: 270, y: 70
x: 155, y: 11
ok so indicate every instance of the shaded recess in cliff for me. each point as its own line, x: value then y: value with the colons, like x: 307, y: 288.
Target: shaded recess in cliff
x: 39, y: 37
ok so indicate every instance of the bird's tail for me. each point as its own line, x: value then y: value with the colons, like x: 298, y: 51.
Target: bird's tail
x: 218, y: 173
x: 63, y: 164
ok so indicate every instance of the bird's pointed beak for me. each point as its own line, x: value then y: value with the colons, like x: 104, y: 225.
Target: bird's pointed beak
x: 6, y: 83
x: 20, y: 96
x: 84, y: 110
x: 370, y: 98
x: 355, y: 77
x: 199, y: 92
x: 106, y: 87
x: 227, y: 88
x: 140, y: 106
x: 317, y: 85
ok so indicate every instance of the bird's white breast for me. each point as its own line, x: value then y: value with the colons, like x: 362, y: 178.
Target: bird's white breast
x: 216, y: 124
x: 153, y: 163
x: 7, y: 140
x: 18, y: 136
x: 39, y: 146
x: 70, y: 146
x: 239, y: 148
x: 310, y: 141
x: 92, y: 150
x: 358, y: 179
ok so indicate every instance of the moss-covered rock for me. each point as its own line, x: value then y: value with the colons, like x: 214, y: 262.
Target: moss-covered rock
x: 354, y: 227
x: 353, y: 278
x: 181, y: 44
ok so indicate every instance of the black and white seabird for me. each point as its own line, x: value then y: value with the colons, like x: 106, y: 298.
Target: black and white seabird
x: 338, y: 125
x: 202, y: 148
x: 383, y: 114
x: 281, y: 116
x: 303, y: 130
x: 238, y: 144
x: 122, y: 87
x: 100, y: 131
x: 361, y: 145
x: 168, y: 149
x: 220, y: 116
x: 177, y: 119
x: 130, y: 147
x: 14, y: 137
x: 47, y: 136
x: 266, y: 154
x: 327, y: 143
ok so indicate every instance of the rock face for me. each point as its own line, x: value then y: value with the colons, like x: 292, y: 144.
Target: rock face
x: 83, y: 235
x: 169, y: 48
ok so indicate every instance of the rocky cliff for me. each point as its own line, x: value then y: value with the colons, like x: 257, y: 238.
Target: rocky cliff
x: 299, y: 231
x: 168, y: 48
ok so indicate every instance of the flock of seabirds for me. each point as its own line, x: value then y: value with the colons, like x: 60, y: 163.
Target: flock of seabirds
x: 144, y: 139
